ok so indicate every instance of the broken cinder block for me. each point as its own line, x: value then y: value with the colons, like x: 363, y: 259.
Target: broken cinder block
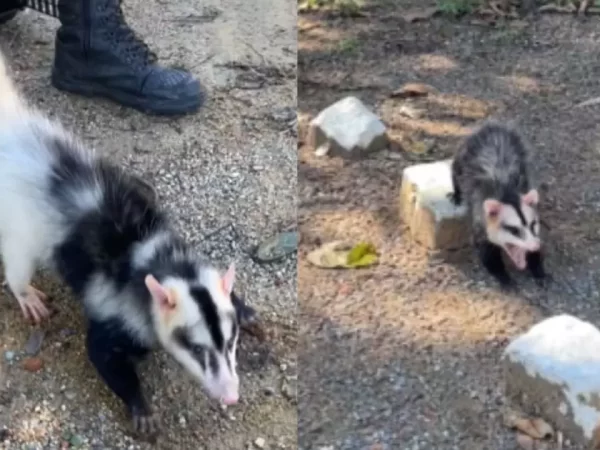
x: 553, y: 371
x: 347, y: 128
x: 425, y: 206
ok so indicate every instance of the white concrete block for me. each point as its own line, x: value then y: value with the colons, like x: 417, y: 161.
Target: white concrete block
x: 553, y: 371
x: 347, y: 128
x: 425, y: 206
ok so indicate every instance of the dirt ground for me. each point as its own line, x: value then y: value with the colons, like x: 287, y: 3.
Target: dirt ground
x: 406, y: 355
x: 225, y: 174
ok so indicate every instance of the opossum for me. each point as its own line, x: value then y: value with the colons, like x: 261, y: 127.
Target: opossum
x: 102, y: 231
x: 491, y: 175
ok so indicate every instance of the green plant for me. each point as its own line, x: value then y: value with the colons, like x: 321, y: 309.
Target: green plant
x: 349, y: 7
x: 349, y: 46
x: 457, y: 7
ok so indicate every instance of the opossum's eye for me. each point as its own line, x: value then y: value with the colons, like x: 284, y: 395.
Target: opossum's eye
x: 515, y: 231
x: 533, y: 226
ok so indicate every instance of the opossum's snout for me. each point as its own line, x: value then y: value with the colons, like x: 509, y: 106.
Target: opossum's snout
x: 534, y: 246
x: 226, y: 389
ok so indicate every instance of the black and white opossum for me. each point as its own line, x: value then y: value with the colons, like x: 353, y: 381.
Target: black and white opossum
x: 102, y: 231
x: 491, y: 175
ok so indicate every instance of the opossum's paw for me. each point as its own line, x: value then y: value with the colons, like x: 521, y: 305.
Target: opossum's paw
x: 543, y: 280
x: 32, y: 304
x: 455, y: 198
x: 506, y: 283
x: 145, y: 422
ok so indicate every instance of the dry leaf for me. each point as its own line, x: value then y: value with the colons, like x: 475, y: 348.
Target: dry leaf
x: 32, y: 364
x: 543, y: 428
x: 413, y: 90
x: 416, y: 15
x: 341, y: 255
x: 536, y: 428
x: 409, y: 111
x: 552, y: 8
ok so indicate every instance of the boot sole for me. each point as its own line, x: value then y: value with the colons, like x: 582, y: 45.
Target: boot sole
x: 90, y: 89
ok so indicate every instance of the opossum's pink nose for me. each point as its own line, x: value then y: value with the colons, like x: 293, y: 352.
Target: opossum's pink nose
x: 230, y: 399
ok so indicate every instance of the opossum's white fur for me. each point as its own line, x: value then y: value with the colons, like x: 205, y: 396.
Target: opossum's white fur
x: 29, y: 229
x: 32, y: 228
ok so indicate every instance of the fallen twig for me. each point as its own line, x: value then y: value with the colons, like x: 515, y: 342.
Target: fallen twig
x: 583, y: 7
x: 590, y: 102
x: 552, y: 8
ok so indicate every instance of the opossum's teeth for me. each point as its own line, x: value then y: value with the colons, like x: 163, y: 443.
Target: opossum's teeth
x: 517, y: 256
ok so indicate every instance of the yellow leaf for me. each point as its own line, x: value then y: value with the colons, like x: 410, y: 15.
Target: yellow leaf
x: 338, y: 255
x: 361, y: 252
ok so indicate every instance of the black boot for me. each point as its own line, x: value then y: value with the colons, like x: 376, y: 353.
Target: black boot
x: 98, y: 54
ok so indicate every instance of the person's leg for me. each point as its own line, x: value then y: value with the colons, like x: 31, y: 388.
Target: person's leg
x: 98, y: 54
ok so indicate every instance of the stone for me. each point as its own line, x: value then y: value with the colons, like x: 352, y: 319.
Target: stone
x: 347, y: 128
x: 259, y: 442
x: 425, y: 207
x: 278, y: 246
x: 553, y: 372
x: 34, y: 343
x: 32, y: 364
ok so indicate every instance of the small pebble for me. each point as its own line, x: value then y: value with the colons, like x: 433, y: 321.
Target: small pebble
x: 278, y: 246
x: 66, y: 332
x: 259, y: 442
x: 9, y: 356
x: 32, y: 364
x: 70, y: 395
x: 288, y: 391
x: 76, y: 441
x: 34, y: 343
x: 269, y: 391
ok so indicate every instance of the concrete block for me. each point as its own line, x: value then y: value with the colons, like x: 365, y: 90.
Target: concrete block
x: 553, y: 372
x: 347, y: 128
x: 432, y: 218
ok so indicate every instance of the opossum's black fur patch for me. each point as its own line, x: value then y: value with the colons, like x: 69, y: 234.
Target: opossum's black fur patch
x: 493, y: 162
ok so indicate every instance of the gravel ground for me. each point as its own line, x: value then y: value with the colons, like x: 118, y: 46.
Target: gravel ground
x: 228, y: 176
x: 406, y: 355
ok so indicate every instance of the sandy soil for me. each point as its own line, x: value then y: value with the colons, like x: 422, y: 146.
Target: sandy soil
x: 407, y: 354
x: 225, y: 175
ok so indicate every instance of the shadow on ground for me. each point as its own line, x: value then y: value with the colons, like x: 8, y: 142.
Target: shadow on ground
x: 407, y: 354
x: 224, y: 175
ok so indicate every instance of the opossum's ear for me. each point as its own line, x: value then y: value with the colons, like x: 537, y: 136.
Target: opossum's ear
x: 228, y: 279
x: 492, y: 208
x: 164, y: 297
x: 531, y: 198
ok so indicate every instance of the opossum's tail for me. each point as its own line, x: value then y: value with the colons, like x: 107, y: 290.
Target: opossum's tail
x: 11, y: 102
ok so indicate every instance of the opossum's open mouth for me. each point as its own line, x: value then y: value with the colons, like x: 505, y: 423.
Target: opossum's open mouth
x: 517, y: 255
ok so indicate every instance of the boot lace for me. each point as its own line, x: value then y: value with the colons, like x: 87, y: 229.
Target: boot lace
x: 134, y: 49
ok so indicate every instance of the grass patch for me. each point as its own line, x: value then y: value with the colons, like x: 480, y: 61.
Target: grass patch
x: 457, y: 7
x: 349, y: 46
